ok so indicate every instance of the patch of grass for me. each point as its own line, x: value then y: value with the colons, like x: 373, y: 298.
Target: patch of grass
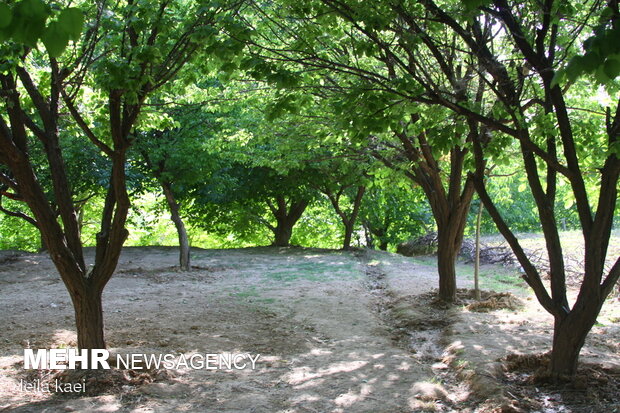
x: 426, y: 406
x: 497, y: 281
x: 314, y: 271
x: 250, y: 292
x: 494, y: 278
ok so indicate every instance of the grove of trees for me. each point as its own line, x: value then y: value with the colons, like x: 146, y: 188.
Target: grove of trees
x: 333, y: 123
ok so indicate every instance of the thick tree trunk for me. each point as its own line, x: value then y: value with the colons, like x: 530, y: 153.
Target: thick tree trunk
x: 450, y: 231
x: 569, y: 335
x: 446, y: 263
x: 88, y: 317
x: 175, y: 216
x: 283, y: 234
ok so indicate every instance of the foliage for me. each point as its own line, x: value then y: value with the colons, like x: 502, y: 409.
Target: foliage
x: 392, y: 212
x: 26, y: 22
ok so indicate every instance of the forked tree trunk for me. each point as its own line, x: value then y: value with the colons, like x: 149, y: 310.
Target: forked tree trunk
x: 569, y: 335
x: 175, y: 216
x: 286, y: 218
x: 348, y: 220
x: 449, y: 200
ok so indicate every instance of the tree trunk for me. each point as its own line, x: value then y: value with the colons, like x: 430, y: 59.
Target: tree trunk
x: 450, y: 229
x: 370, y: 243
x: 383, y: 245
x: 349, y: 223
x: 446, y: 262
x: 348, y: 234
x: 569, y: 336
x: 477, y: 257
x: 283, y: 233
x: 88, y: 317
x: 286, y: 218
x: 175, y: 216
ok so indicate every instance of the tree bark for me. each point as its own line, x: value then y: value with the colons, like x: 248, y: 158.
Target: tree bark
x: 283, y: 233
x: 88, y: 317
x: 286, y: 218
x: 348, y: 234
x: 175, y: 216
x: 43, y: 247
x: 447, y: 251
x: 569, y: 335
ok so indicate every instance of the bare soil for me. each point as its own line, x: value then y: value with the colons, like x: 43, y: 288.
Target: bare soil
x: 337, y: 332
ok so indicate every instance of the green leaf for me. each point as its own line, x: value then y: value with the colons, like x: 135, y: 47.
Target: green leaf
x: 612, y: 67
x: 601, y: 76
x: 591, y: 62
x: 55, y: 39
x: 72, y: 20
x: 6, y: 15
x: 558, y: 77
x: 471, y: 5
x: 574, y: 68
x: 33, y: 9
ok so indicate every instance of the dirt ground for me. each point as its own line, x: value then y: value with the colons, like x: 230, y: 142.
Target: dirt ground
x: 336, y: 332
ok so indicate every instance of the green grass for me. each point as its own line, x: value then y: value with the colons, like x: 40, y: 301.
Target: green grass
x: 494, y: 278
x: 314, y: 271
x: 250, y: 292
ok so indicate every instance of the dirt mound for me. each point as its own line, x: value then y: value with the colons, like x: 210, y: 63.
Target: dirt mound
x: 526, y: 362
x: 495, y: 301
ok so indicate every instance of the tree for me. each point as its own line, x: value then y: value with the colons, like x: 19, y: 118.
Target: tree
x: 163, y: 153
x: 343, y: 181
x: 392, y: 211
x: 242, y: 198
x: 527, y: 104
x: 128, y: 52
x: 364, y: 63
